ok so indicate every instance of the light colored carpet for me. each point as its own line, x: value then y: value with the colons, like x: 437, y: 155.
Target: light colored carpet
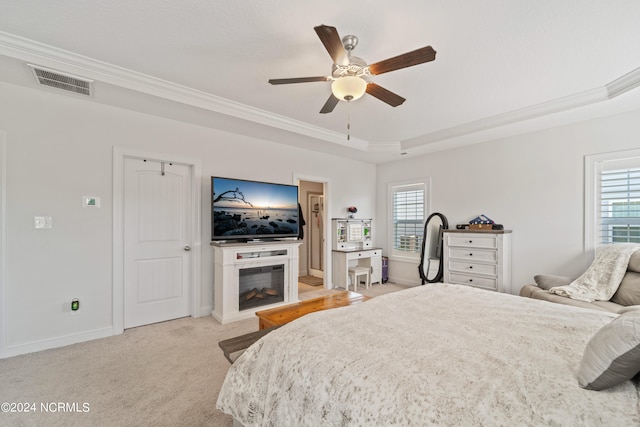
x: 380, y: 289
x: 166, y: 374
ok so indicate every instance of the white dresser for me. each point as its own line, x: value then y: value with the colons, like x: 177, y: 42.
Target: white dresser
x: 479, y: 258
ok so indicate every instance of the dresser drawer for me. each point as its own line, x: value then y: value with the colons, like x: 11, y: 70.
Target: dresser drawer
x: 471, y: 254
x: 364, y: 254
x: 473, y: 268
x: 472, y: 241
x: 480, y: 282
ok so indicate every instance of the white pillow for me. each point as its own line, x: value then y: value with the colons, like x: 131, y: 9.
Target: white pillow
x: 612, y: 355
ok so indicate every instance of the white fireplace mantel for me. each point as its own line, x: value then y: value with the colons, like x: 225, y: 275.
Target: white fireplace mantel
x: 230, y: 258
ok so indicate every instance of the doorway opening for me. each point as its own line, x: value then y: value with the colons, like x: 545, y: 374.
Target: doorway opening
x: 313, y: 262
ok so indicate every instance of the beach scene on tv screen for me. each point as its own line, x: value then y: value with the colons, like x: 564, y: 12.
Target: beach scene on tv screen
x: 246, y: 208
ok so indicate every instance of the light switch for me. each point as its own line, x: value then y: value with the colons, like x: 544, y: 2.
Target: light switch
x: 42, y: 222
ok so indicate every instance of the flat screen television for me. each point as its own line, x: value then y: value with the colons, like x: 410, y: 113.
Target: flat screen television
x: 248, y: 210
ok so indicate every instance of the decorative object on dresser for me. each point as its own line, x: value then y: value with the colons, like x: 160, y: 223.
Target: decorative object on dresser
x: 352, y: 211
x: 352, y: 247
x: 479, y: 258
x: 481, y: 222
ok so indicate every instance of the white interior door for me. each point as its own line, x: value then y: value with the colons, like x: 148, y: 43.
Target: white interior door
x: 157, y: 223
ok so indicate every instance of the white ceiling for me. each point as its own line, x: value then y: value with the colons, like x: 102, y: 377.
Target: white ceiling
x: 503, y: 66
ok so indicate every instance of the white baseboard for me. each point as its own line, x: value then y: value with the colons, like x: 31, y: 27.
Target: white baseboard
x: 15, y: 350
x: 404, y: 281
x: 204, y: 311
x: 49, y: 343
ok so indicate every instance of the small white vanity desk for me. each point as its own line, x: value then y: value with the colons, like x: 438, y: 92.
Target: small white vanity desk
x: 351, y: 244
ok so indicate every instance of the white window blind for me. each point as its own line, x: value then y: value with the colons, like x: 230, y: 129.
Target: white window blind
x: 408, y: 218
x: 620, y: 205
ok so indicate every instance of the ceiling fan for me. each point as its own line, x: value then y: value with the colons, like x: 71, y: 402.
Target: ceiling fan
x: 349, y: 73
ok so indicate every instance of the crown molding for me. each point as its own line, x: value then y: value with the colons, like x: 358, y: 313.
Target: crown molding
x: 611, y: 90
x: 65, y: 61
x: 511, y: 117
x: 624, y: 84
x: 392, y: 147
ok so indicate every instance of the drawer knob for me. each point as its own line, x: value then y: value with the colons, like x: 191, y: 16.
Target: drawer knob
x: 470, y: 241
x: 470, y: 267
x: 471, y: 254
x: 470, y: 280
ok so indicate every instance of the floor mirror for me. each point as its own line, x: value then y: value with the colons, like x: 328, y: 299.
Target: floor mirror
x: 431, y: 261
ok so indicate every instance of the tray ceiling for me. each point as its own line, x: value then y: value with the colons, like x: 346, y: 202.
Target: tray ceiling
x: 502, y: 67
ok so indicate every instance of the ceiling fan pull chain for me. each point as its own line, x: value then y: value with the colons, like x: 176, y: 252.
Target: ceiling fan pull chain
x: 348, y: 121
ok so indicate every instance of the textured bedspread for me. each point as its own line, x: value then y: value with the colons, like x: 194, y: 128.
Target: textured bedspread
x: 431, y: 355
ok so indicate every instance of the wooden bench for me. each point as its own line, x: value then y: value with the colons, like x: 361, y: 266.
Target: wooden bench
x: 234, y: 347
x: 274, y: 318
x: 287, y: 313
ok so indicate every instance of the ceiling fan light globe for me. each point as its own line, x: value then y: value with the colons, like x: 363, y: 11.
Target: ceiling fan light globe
x: 348, y: 88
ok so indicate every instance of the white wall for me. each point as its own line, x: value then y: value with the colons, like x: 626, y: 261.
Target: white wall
x: 533, y: 184
x: 59, y: 148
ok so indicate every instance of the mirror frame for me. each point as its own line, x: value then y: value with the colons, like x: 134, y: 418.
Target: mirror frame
x: 440, y: 273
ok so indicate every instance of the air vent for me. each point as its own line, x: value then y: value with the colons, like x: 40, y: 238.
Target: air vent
x: 62, y: 81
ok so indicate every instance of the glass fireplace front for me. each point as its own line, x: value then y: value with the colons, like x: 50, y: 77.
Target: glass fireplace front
x: 260, y: 286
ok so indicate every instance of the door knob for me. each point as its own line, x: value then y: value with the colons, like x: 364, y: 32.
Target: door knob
x: 187, y: 248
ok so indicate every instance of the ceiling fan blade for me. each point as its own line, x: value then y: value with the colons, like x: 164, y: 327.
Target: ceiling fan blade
x: 332, y: 42
x: 384, y: 95
x: 409, y: 59
x: 329, y: 105
x: 298, y: 80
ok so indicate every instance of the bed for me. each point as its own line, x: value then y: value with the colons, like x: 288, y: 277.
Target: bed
x: 439, y: 354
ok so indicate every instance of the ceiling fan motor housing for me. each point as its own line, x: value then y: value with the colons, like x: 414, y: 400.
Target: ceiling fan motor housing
x: 356, y: 67
x: 349, y: 42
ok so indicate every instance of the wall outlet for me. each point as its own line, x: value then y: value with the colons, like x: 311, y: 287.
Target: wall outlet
x: 42, y: 222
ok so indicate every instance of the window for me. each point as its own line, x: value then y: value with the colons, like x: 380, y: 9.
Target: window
x: 612, y: 193
x: 620, y: 206
x: 408, y: 208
